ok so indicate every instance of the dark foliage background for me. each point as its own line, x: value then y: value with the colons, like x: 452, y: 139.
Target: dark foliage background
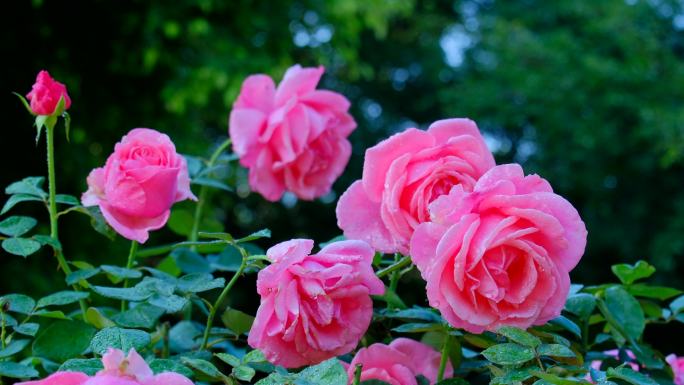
x: 588, y: 94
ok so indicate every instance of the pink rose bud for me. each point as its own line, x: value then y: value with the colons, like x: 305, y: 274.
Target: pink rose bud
x: 501, y: 254
x: 60, y: 378
x: 131, y: 369
x: 314, y: 307
x: 140, y: 182
x: 403, y: 174
x: 677, y: 364
x: 398, y: 363
x: 293, y: 137
x: 45, y: 95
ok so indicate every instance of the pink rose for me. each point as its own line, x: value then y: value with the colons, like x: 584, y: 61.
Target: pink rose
x: 120, y: 369
x: 140, y: 182
x: 501, y: 254
x: 314, y: 307
x: 398, y: 363
x: 45, y: 95
x: 293, y: 137
x: 677, y: 364
x: 403, y: 174
x: 60, y: 378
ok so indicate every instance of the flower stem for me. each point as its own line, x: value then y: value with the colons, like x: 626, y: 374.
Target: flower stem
x: 444, y: 359
x: 204, y: 191
x: 405, y: 261
x: 129, y: 265
x: 357, y: 374
x: 52, y: 206
x: 222, y: 297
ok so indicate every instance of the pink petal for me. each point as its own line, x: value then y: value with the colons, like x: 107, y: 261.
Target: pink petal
x: 133, y: 228
x: 297, y: 81
x: 257, y: 92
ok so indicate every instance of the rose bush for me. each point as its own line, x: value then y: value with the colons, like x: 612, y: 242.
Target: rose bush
x: 494, y: 247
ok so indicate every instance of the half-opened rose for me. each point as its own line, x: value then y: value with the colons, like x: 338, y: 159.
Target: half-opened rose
x: 398, y: 363
x: 403, y: 174
x: 140, y: 182
x: 501, y: 254
x: 45, y: 94
x: 293, y: 137
x: 314, y: 307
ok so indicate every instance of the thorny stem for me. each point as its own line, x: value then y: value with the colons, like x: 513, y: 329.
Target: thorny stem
x: 405, y: 261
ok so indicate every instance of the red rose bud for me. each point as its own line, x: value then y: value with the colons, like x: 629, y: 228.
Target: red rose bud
x: 45, y: 95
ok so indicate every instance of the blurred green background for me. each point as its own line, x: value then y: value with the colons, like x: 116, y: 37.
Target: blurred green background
x: 589, y: 94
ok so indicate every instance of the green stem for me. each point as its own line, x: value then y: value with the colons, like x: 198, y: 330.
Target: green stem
x: 52, y: 206
x: 444, y: 359
x: 165, y: 340
x: 204, y: 191
x: 357, y: 374
x: 222, y: 297
x: 394, y: 278
x: 3, y: 331
x: 405, y: 261
x: 129, y: 265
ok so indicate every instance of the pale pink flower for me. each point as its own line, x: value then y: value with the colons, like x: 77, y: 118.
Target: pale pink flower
x: 293, y: 137
x: 141, y: 180
x: 403, y: 174
x: 60, y: 378
x: 501, y: 254
x: 677, y: 364
x: 314, y: 307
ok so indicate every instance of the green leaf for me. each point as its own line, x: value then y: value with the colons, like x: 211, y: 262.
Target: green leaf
x: 142, y: 316
x: 16, y: 199
x: 555, y: 350
x: 117, y: 274
x: 82, y: 274
x: 62, y: 298
x: 67, y: 125
x: 183, y: 335
x: 95, y: 317
x: 136, y: 293
x: 7, y: 319
x: 567, y: 324
x: 228, y: 359
x: 66, y: 199
x: 630, y: 273
x: 97, y: 221
x: 63, y: 340
x: 215, y: 235
x: 189, y: 261
x: 514, y: 376
x: 40, y: 122
x: 180, y: 222
x: 14, y: 370
x: 519, y: 336
x: 199, y: 282
x: 18, y: 303
x: 237, y: 321
x: 414, y: 313
x: 581, y: 304
x: 89, y: 366
x: 418, y: 327
x: 508, y: 354
x: 264, y: 233
x: 330, y: 372
x: 56, y: 314
x: 17, y: 225
x: 161, y: 365
x: 254, y: 356
x: 22, y: 247
x: 27, y: 329
x: 626, y: 311
x: 212, y: 183
x: 646, y: 291
x: 171, y: 303
x: 243, y: 373
x: 118, y: 338
x: 677, y: 305
x: 30, y: 186
x: 24, y: 102
x: 204, y: 367
x: 629, y: 375
x: 13, y: 348
x: 47, y: 240
x: 391, y: 298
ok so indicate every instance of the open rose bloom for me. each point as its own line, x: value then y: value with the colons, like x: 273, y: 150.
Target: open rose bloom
x: 500, y: 254
x: 398, y: 363
x: 119, y: 369
x: 403, y: 174
x: 45, y: 95
x: 314, y: 307
x: 141, y: 180
x: 293, y: 137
